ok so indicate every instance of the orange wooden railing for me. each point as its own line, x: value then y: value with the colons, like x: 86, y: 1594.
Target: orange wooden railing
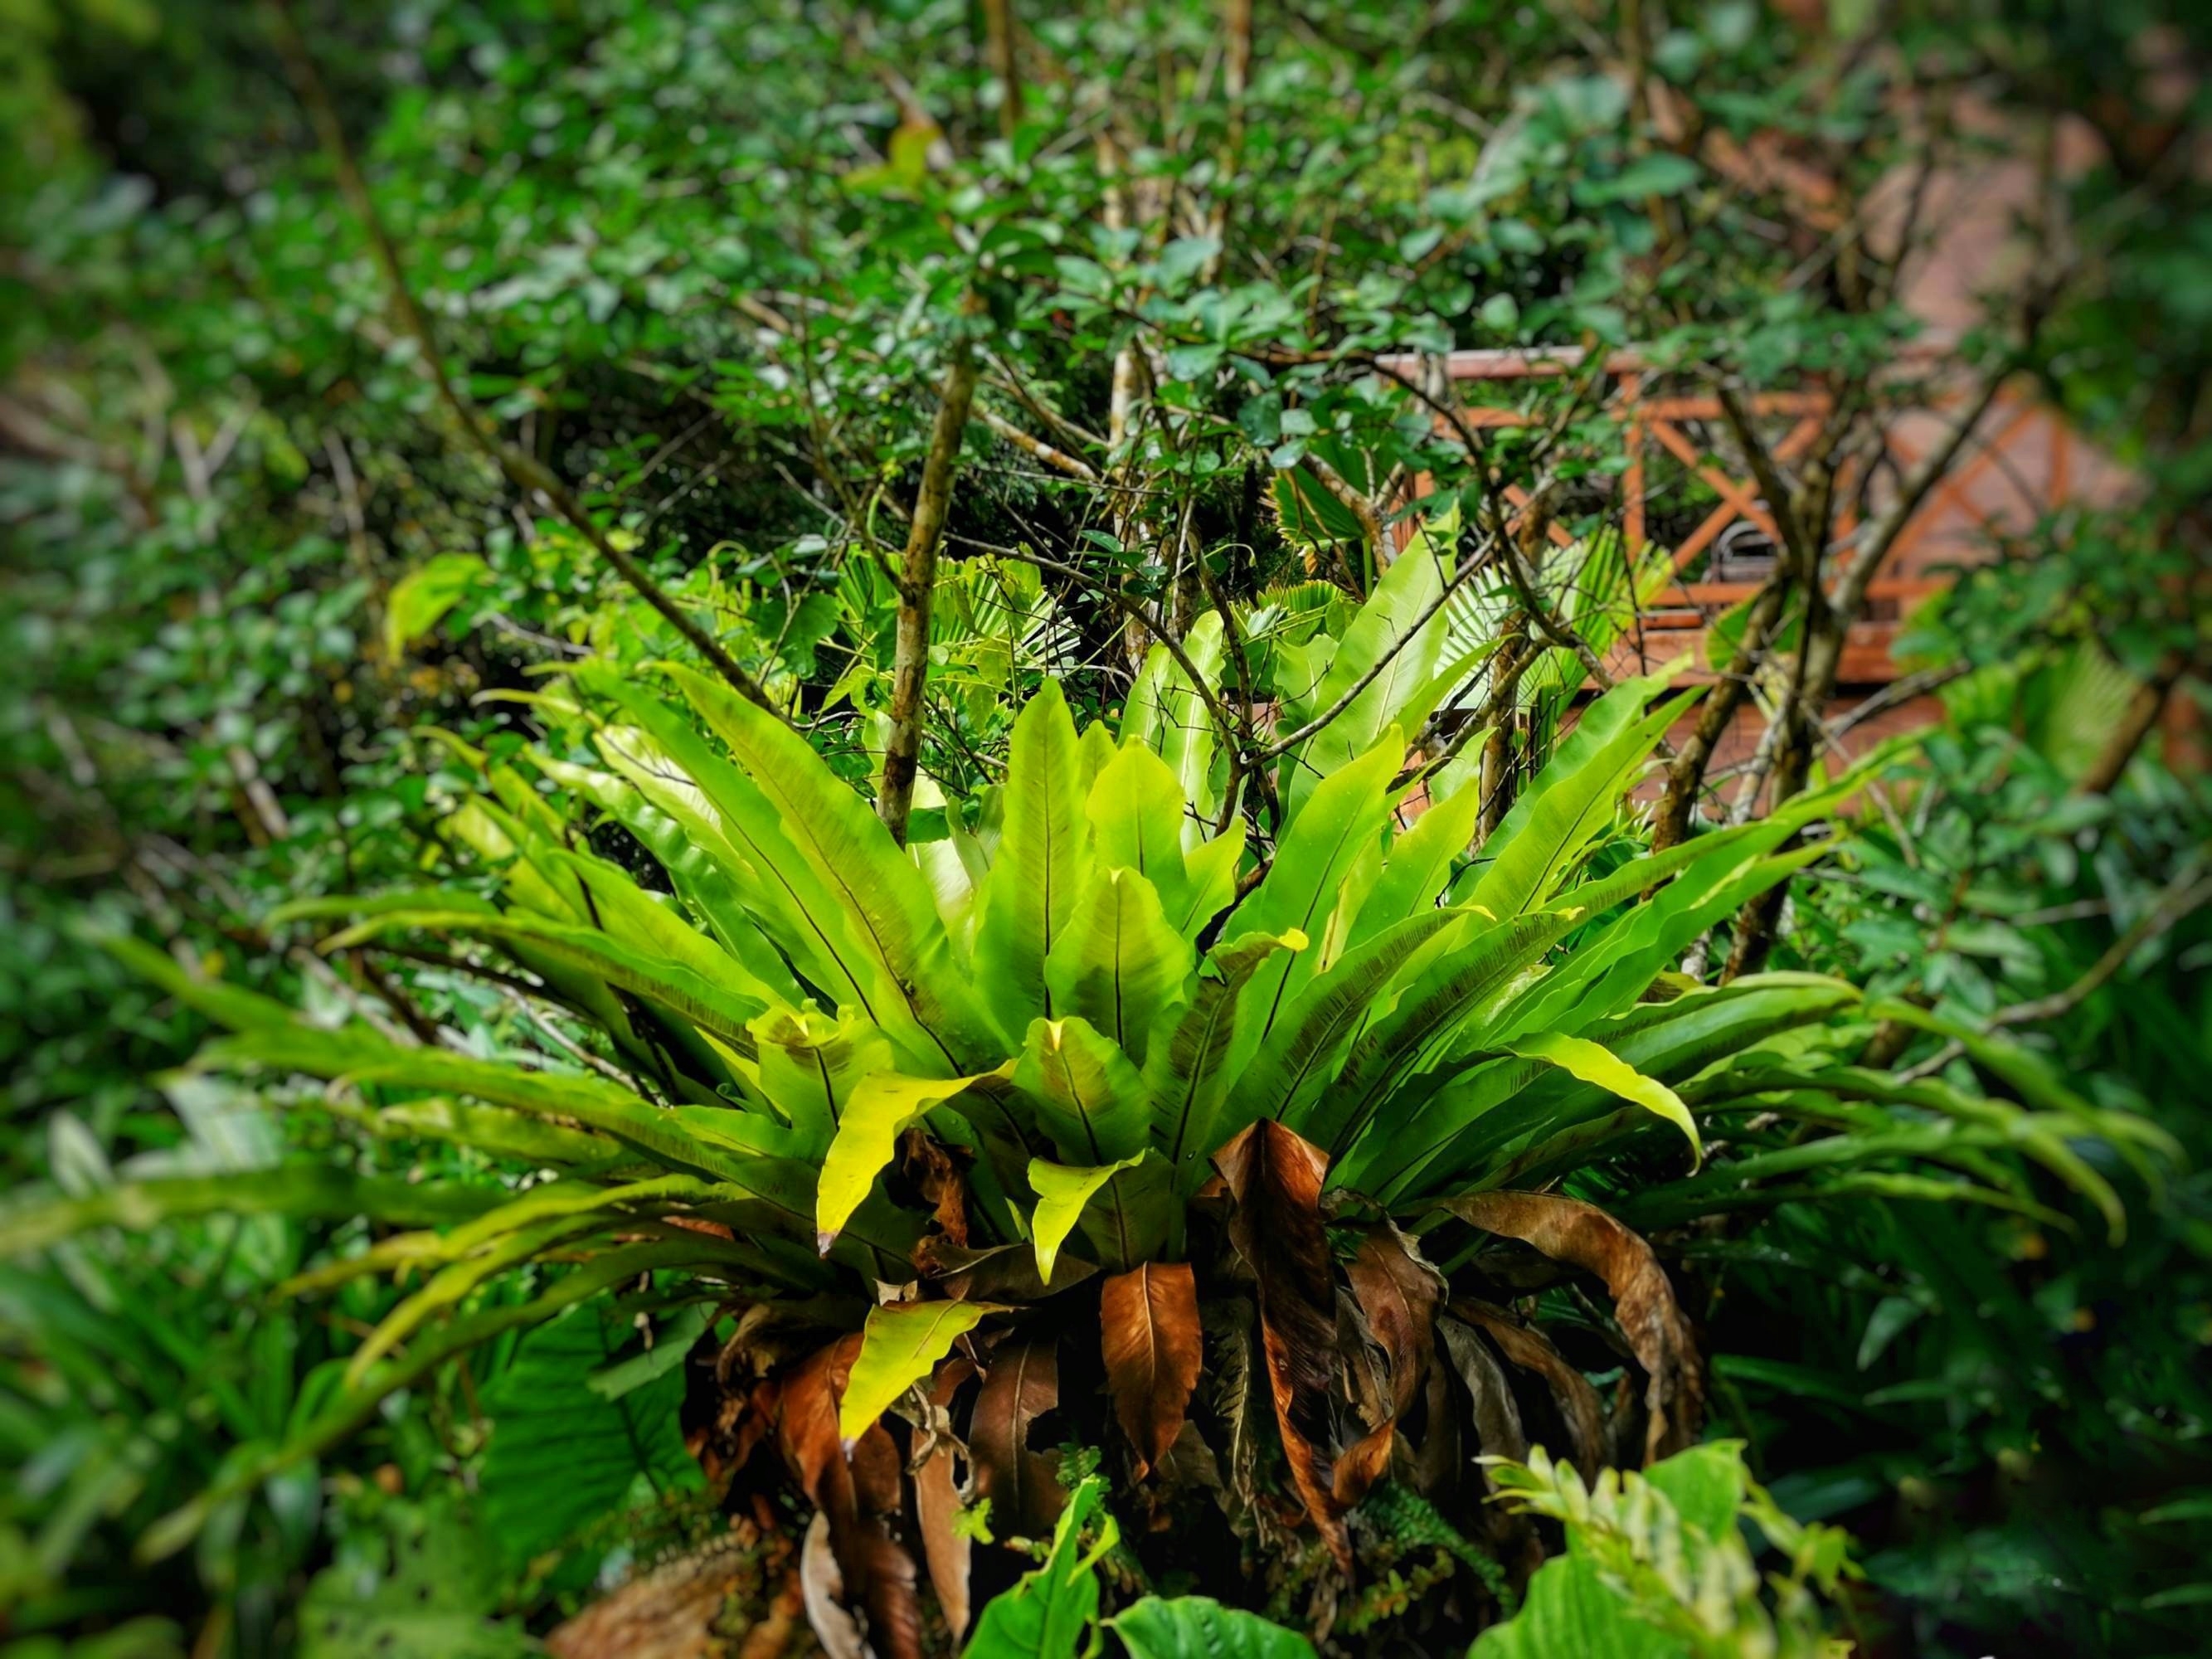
x: 2036, y: 459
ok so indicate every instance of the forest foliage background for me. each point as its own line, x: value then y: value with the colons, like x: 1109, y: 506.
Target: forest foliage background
x: 367, y: 372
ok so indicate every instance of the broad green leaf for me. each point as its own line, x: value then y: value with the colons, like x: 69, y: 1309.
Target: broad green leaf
x: 2042, y: 1136
x: 1136, y: 813
x: 332, y: 906
x: 1118, y: 965
x: 561, y: 1455
x: 421, y: 600
x: 892, y: 915
x: 515, y: 1232
x: 1166, y: 715
x: 1335, y: 936
x: 307, y: 1191
x: 1302, y: 1055
x: 746, y: 1130
x: 1612, y: 971
x: 511, y: 847
x: 1096, y: 1104
x: 1463, y: 988
x: 1807, y: 1167
x: 1212, y: 867
x: 704, y: 868
x: 596, y: 902
x: 1389, y: 625
x: 2032, y: 1078
x: 1050, y: 1612
x: 672, y: 1345
x: 727, y: 815
x: 527, y: 807
x: 498, y: 1130
x: 1097, y: 747
x: 1569, y: 1611
x: 1037, y: 877
x: 1552, y: 825
x: 1461, y: 1132
x: 1418, y: 866
x: 1311, y: 515
x: 1188, y: 1076
x: 232, y: 1005
x: 810, y: 1064
x: 1724, y: 634
x: 901, y: 1344
x: 1341, y: 822
x: 596, y: 1103
x: 714, y: 1002
x: 1199, y: 1627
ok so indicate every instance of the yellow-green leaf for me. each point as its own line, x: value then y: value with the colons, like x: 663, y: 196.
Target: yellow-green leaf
x: 419, y: 599
x: 1595, y: 1064
x: 810, y: 1063
x: 1063, y: 1194
x: 880, y: 1108
x: 900, y: 1345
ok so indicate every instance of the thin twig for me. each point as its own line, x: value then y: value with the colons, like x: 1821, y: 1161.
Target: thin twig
x: 526, y: 471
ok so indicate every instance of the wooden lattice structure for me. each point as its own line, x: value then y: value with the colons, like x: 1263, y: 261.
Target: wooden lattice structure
x: 2021, y: 463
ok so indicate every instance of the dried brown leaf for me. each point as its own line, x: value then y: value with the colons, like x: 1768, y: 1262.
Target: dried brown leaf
x: 1275, y: 1179
x: 855, y: 1499
x: 1022, y: 1385
x: 806, y: 1422
x: 1497, y: 1416
x: 1190, y: 1463
x: 1438, y: 1456
x: 945, y: 1549
x: 1398, y: 1291
x: 1227, y: 1325
x: 823, y: 1585
x: 884, y: 1569
x: 1525, y: 1346
x: 1153, y: 1346
x: 1002, y: 1273
x: 1363, y: 1377
x: 938, y: 1178
x: 1585, y: 1237
x: 1356, y: 1468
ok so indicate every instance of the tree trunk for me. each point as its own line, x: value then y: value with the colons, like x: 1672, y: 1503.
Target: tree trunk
x: 998, y: 17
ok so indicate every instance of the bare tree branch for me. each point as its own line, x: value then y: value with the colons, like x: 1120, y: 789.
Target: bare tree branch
x: 917, y: 587
x: 523, y: 470
x: 1059, y: 461
x: 1686, y: 773
x: 1291, y: 740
